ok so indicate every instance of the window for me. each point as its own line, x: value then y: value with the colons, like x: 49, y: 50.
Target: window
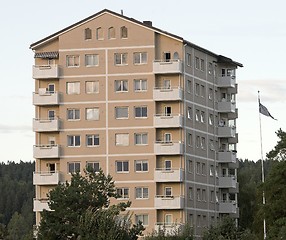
x: 198, y: 141
x: 142, y: 192
x: 124, y: 32
x: 91, y: 60
x: 198, y: 194
x: 51, y: 114
x: 198, y: 168
x: 189, y: 59
x: 141, y: 165
x: 92, y: 113
x: 197, y: 115
x: 202, y: 65
x: 143, y: 218
x: 211, y: 170
x: 204, y: 197
x: 197, y: 89
x: 93, y: 166
x: 73, y: 88
x: 72, y: 60
x: 211, y: 145
x: 141, y: 112
x: 198, y: 220
x: 203, y: 143
x: 140, y: 58
x: 74, y: 141
x: 197, y: 63
x: 189, y: 139
x: 73, y: 114
x: 51, y: 88
x: 167, y: 111
x: 210, y: 94
x: 211, y: 117
x: 141, y: 138
x: 73, y: 167
x: 120, y: 58
x: 87, y: 34
x: 203, y: 117
x: 99, y: 33
x: 168, y: 192
x: 122, y: 193
x: 190, y: 166
x: 212, y: 196
x: 210, y: 68
x: 122, y: 139
x: 168, y: 165
x: 92, y: 140
x: 168, y: 219
x: 122, y: 166
x: 91, y: 87
x: 189, y: 86
x: 203, y: 169
x: 121, y: 112
x: 190, y: 113
x: 203, y: 92
x: 121, y: 86
x: 166, y: 84
x: 167, y: 137
x: 140, y: 85
x: 191, y: 193
x: 167, y: 56
x: 111, y: 33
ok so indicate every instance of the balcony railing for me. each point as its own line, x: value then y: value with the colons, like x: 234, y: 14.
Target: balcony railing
x: 226, y: 106
x: 169, y: 175
x: 46, y: 151
x: 167, y: 66
x: 44, y: 97
x: 227, y: 182
x: 46, y: 125
x: 226, y: 81
x: 168, y: 148
x: 172, y: 228
x: 226, y: 131
x: 45, y: 71
x: 163, y: 121
x: 227, y: 207
x: 41, y: 204
x: 169, y: 202
x: 168, y: 94
x: 47, y: 178
x: 227, y: 157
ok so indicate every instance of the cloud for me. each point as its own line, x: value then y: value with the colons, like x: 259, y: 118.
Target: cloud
x: 271, y: 90
x: 5, y: 128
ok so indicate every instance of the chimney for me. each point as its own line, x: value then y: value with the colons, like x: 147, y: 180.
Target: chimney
x: 148, y: 23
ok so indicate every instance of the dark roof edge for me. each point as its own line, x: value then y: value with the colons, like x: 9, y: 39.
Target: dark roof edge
x: 97, y: 14
x: 220, y: 58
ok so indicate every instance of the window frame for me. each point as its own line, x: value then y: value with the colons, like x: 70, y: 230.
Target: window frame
x: 73, y: 140
x: 121, y: 134
x: 95, y: 169
x: 124, y: 193
x: 94, y: 60
x: 73, y: 88
x: 118, y: 114
x: 74, y: 167
x: 141, y: 56
x: 120, y: 85
x: 95, y: 141
x: 142, y: 139
x: 123, y: 165
x: 95, y: 111
x: 120, y: 59
x: 141, y: 163
x: 72, y: 61
x: 140, y: 194
x: 94, y: 87
x: 141, y: 85
x: 141, y: 109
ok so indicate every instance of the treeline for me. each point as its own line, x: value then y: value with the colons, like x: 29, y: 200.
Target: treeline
x: 16, y: 200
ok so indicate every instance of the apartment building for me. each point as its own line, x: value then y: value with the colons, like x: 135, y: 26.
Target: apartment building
x: 155, y: 111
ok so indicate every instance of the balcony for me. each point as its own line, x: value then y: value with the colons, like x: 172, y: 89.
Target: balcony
x: 227, y: 207
x: 226, y: 131
x: 45, y: 71
x: 46, y: 125
x: 46, y: 151
x: 172, y: 175
x: 227, y: 157
x: 47, y: 178
x: 226, y: 81
x: 169, y: 202
x: 44, y: 97
x: 169, y: 228
x: 41, y: 204
x: 168, y: 94
x: 163, y: 121
x: 226, y: 107
x: 167, y: 67
x: 227, y: 182
x: 168, y: 148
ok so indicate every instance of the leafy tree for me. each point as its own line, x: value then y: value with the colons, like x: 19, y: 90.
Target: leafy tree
x: 279, y: 151
x: 84, y: 200
x: 17, y: 227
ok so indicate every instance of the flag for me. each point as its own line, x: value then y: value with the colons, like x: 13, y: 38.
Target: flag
x: 263, y: 110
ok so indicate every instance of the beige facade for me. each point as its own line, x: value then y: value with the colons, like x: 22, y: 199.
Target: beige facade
x: 148, y: 107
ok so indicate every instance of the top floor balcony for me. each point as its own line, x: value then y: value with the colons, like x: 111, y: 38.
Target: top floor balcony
x: 167, y: 66
x: 45, y: 71
x: 226, y: 81
x: 226, y: 106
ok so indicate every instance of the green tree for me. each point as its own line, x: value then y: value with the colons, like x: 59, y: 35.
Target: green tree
x: 279, y: 151
x: 81, y: 201
x: 17, y: 227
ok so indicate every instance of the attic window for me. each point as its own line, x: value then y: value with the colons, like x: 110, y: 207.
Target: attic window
x: 99, y: 33
x: 111, y: 33
x: 124, y: 32
x: 87, y: 34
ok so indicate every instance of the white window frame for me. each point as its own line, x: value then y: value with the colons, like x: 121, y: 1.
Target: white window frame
x: 168, y: 220
x: 91, y: 87
x: 124, y: 32
x: 140, y: 85
x: 122, y: 166
x: 122, y: 139
x: 121, y: 112
x: 91, y: 60
x: 74, y: 166
x: 73, y: 88
x: 122, y: 192
x: 120, y: 59
x: 143, y: 218
x: 92, y: 140
x: 140, y: 58
x: 94, y: 165
x: 189, y: 86
x: 141, y: 192
x: 189, y: 59
x: 190, y: 113
x: 121, y: 85
x: 72, y: 61
x: 143, y: 111
x: 73, y: 140
x: 141, y: 166
x: 92, y: 114
x: 141, y: 138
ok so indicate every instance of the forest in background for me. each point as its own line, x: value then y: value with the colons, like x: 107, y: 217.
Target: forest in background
x: 17, y: 193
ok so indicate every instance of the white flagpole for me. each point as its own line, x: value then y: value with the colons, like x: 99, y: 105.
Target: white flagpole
x: 262, y: 166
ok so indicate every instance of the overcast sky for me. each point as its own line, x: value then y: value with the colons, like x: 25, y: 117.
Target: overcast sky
x: 250, y: 32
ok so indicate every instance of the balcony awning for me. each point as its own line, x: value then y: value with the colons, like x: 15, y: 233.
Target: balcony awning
x: 52, y: 55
